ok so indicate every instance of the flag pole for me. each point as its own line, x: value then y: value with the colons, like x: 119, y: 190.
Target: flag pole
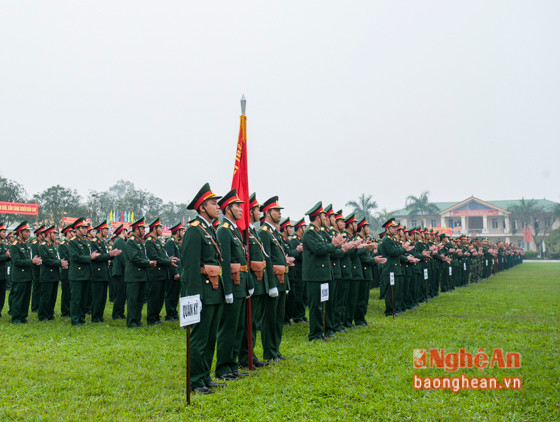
x: 246, y: 234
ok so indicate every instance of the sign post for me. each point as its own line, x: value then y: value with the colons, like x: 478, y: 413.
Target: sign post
x: 324, y: 298
x: 190, y: 314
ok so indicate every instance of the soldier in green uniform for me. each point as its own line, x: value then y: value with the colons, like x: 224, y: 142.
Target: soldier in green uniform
x: 201, y: 258
x: 173, y: 284
x: 80, y: 272
x: 63, y: 252
x: 341, y: 293
x: 4, y: 259
x: 36, y: 288
x: 50, y: 274
x: 317, y: 250
x: 22, y: 264
x: 356, y: 268
x: 136, y: 273
x: 285, y: 231
x: 158, y: 275
x: 118, y: 266
x: 100, y: 271
x: 277, y: 262
x: 237, y: 287
x: 391, y: 271
x: 259, y: 276
x: 296, y: 282
x: 367, y: 261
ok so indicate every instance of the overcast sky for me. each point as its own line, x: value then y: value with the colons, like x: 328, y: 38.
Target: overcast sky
x: 388, y: 98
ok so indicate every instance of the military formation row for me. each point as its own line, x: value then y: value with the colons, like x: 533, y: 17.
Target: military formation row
x: 282, y: 267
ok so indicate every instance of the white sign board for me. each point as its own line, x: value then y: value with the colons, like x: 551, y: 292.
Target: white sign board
x: 189, y: 310
x: 392, y: 279
x: 324, y: 292
x: 486, y: 262
x: 450, y: 271
x: 465, y: 266
x: 425, y: 273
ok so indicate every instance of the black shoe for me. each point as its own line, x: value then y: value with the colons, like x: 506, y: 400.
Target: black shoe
x: 155, y: 322
x: 227, y: 377
x: 240, y: 374
x: 203, y: 390
x: 76, y: 324
x: 280, y: 357
x: 287, y: 323
x: 259, y: 364
x: 117, y: 318
x: 213, y: 384
x: 171, y: 318
x: 305, y: 319
x: 17, y: 322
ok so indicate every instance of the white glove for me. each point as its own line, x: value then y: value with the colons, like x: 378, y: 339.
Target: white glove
x: 287, y: 291
x: 229, y: 298
x: 251, y: 291
x: 273, y: 292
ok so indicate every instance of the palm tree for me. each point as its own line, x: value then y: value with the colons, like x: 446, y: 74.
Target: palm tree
x: 524, y: 212
x: 363, y: 208
x: 421, y: 206
x: 385, y: 215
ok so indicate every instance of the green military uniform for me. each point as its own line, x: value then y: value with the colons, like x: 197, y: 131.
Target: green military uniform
x: 392, y: 250
x: 64, y: 281
x: 316, y: 269
x: 275, y: 304
x: 343, y: 284
x: 201, y: 254
x: 49, y: 278
x: 172, y: 286
x: 236, y: 290
x: 260, y: 282
x: 4, y: 260
x: 100, y: 275
x: 21, y: 273
x: 118, y: 267
x: 296, y: 281
x: 135, y: 276
x: 79, y: 275
x: 367, y: 261
x: 158, y: 275
x: 289, y: 312
x: 357, y: 275
x: 36, y: 289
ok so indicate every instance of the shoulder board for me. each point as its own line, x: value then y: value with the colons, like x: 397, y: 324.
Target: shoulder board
x: 43, y: 243
x: 34, y: 241
x: 195, y: 223
x: 322, y: 229
x: 312, y: 228
x: 15, y: 242
x: 265, y: 228
x: 226, y: 225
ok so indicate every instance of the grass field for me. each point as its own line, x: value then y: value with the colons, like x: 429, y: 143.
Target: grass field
x: 51, y: 371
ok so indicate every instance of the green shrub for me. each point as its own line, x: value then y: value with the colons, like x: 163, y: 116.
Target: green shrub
x: 530, y: 255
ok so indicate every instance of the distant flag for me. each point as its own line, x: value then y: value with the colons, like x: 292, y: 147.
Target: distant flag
x: 111, y: 216
x: 132, y: 216
x: 117, y: 216
x: 183, y: 220
x: 122, y: 217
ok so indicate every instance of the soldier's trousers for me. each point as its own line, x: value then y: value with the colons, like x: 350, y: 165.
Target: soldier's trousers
x: 362, y: 302
x: 203, y: 343
x: 65, y: 298
x: 393, y: 294
x: 272, y: 325
x: 20, y: 301
x: 47, y: 300
x: 120, y: 297
x: 155, y: 300
x: 408, y: 301
x: 2, y: 295
x: 434, y: 281
x: 256, y: 317
x: 134, y: 303
x: 315, y: 310
x: 418, y: 282
x: 98, y: 300
x: 230, y: 334
x: 298, y: 286
x: 172, y: 288
x: 329, y: 308
x: 112, y: 290
x: 79, y: 291
x: 35, y: 292
x: 89, y: 299
x: 350, y: 305
x: 340, y: 304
